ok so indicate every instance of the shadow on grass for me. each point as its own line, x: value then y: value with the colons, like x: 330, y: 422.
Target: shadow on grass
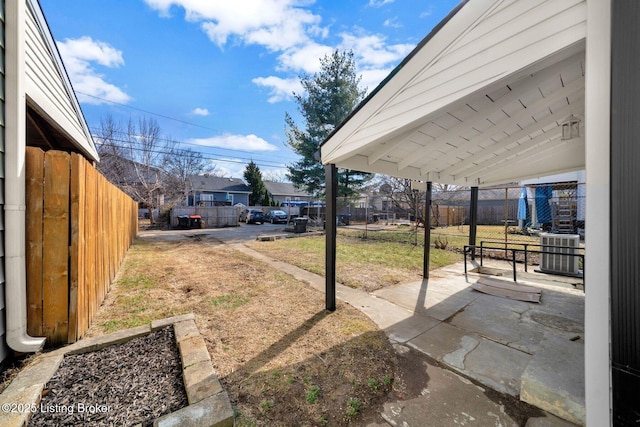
x: 342, y: 385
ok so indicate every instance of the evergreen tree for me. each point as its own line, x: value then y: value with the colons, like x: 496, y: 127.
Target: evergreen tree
x: 329, y: 96
x: 266, y: 198
x: 253, y: 178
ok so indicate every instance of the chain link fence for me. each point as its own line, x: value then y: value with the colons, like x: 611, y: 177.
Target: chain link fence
x: 508, y: 216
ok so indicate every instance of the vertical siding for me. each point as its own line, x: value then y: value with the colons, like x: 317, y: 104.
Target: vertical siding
x: 625, y: 211
x: 3, y: 344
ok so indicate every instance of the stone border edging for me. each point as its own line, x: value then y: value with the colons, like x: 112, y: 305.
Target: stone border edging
x: 208, y: 404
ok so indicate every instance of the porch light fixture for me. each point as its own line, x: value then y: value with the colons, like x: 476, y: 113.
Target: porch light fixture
x: 570, y: 128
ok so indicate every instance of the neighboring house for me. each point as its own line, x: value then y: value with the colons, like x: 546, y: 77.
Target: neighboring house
x: 287, y: 193
x: 39, y: 108
x: 504, y: 91
x: 135, y: 179
x: 208, y: 190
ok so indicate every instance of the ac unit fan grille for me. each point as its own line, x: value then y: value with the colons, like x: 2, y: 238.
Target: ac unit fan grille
x: 559, y: 261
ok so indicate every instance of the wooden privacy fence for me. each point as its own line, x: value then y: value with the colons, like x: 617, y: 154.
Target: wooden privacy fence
x: 212, y: 216
x: 78, y: 229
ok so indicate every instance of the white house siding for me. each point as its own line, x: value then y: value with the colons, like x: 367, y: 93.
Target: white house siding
x: 3, y: 345
x: 47, y: 85
x: 484, y: 43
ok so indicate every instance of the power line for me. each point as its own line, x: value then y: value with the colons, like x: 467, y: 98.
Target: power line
x: 240, y: 160
x: 149, y: 112
x: 178, y: 142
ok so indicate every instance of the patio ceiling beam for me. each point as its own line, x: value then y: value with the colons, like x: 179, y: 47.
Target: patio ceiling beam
x: 492, y: 146
x: 566, y: 91
x: 517, y: 88
x: 387, y: 147
x: 555, y: 158
x: 534, y: 143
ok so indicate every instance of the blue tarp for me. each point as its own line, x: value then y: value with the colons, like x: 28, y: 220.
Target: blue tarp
x: 522, y: 205
x: 543, y: 211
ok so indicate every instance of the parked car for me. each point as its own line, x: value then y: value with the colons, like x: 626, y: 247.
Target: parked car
x: 252, y: 216
x: 276, y: 217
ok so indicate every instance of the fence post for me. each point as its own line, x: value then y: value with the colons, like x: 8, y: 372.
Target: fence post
x: 473, y: 227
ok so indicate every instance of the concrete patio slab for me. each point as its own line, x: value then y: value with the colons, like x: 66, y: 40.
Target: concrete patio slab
x: 501, y: 320
x: 554, y: 379
x: 497, y: 366
x: 436, y: 407
x: 488, y: 362
x: 430, y: 301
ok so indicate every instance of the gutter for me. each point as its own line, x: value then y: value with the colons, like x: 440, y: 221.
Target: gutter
x: 14, y: 183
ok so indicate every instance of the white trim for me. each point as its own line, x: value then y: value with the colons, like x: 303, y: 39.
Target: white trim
x: 14, y: 182
x: 597, y: 267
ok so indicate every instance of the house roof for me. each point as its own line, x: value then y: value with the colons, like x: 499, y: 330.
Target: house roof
x: 217, y: 184
x: 284, y: 189
x: 479, y: 102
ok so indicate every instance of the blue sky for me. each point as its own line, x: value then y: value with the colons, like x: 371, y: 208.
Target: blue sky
x: 217, y: 75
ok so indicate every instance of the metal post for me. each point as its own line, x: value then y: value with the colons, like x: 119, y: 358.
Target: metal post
x: 331, y: 190
x: 473, y: 228
x: 506, y: 218
x: 427, y: 232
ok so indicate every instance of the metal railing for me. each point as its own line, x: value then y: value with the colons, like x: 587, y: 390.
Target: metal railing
x: 471, y: 250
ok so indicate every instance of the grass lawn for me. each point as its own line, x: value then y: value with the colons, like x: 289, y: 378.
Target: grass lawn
x: 455, y: 236
x: 367, y: 264
x: 281, y: 357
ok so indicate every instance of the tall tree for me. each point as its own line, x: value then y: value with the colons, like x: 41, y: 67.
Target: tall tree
x: 253, y: 178
x: 329, y: 96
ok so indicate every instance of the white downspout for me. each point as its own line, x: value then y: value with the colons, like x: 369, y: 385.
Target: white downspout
x: 14, y: 182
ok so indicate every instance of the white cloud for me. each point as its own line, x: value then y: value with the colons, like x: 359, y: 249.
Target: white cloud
x: 290, y: 29
x: 275, y: 24
x: 372, y: 78
x: 78, y: 56
x: 235, y: 142
x: 392, y: 22
x: 279, y: 89
x: 200, y: 111
x: 371, y: 51
x: 230, y: 167
x: 378, y: 3
x: 304, y: 58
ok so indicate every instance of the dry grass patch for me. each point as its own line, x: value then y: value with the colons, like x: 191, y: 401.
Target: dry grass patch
x: 361, y: 264
x: 283, y: 359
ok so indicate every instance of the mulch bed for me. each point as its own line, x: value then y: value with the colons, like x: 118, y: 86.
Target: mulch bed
x: 127, y: 384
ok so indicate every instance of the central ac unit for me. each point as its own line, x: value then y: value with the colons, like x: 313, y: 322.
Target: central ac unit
x: 560, y: 249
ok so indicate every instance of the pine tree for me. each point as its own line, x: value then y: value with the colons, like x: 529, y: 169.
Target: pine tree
x: 329, y: 96
x: 253, y: 178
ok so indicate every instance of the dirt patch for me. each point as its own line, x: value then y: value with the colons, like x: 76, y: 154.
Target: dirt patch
x: 281, y: 357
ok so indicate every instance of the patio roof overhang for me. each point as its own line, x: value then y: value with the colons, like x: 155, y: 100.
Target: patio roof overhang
x: 481, y: 101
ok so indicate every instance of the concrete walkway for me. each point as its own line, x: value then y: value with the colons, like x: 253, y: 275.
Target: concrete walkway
x: 534, y: 351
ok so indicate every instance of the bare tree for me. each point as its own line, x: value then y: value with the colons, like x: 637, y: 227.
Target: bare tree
x: 181, y: 164
x: 402, y: 197
x: 135, y: 159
